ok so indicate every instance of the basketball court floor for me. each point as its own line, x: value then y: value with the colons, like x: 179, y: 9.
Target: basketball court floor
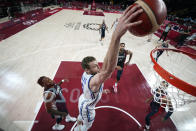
x: 54, y: 47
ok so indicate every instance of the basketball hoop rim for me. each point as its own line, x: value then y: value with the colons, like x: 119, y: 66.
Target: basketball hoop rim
x: 175, y: 81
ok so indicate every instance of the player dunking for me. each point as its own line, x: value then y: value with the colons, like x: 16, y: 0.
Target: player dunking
x: 54, y: 101
x: 94, y: 77
x: 120, y: 64
x: 102, y: 29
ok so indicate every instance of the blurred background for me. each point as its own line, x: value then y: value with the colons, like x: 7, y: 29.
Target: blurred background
x: 179, y: 8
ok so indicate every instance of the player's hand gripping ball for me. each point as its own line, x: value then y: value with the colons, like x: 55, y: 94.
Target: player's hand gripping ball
x: 154, y: 14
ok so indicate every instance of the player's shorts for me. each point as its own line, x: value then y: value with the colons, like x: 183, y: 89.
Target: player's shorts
x: 154, y: 106
x: 121, y: 65
x: 86, y: 112
x: 102, y: 34
x: 62, y: 107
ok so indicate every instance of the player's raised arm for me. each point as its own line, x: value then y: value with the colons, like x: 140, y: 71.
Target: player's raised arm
x: 110, y: 60
x: 130, y: 56
x: 112, y: 24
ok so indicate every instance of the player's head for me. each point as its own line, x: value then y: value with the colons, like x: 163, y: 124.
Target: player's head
x: 164, y: 84
x: 103, y: 21
x: 122, y: 46
x: 90, y: 65
x: 45, y: 81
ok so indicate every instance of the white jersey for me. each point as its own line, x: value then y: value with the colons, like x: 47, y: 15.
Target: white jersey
x: 91, y: 98
x: 115, y: 24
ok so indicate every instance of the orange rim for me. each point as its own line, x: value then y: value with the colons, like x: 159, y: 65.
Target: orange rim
x: 180, y: 84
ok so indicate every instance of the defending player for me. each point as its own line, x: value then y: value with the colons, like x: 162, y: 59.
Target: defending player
x: 102, y: 29
x: 54, y: 101
x: 154, y: 105
x: 120, y: 64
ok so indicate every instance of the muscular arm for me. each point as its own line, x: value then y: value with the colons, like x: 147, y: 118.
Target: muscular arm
x: 106, y: 28
x: 130, y: 56
x: 109, y: 65
x: 62, y: 81
x: 112, y: 25
x: 110, y: 59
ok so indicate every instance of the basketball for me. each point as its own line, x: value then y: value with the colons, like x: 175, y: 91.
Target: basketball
x: 154, y: 14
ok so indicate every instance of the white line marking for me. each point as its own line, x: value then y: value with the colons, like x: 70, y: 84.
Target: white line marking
x: 38, y: 106
x: 32, y: 123
x: 112, y: 107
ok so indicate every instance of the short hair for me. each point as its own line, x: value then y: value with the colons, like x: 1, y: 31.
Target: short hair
x: 40, y: 81
x: 166, y: 83
x: 122, y: 43
x: 86, y: 61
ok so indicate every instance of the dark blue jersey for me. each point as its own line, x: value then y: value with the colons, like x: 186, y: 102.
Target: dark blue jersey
x: 121, y: 58
x: 59, y: 98
x: 103, y: 27
x: 57, y: 91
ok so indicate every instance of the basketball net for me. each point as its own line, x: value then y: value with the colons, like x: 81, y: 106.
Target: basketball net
x: 177, y: 68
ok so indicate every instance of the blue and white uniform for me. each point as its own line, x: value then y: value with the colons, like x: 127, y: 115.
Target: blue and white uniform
x: 88, y: 101
x: 115, y: 24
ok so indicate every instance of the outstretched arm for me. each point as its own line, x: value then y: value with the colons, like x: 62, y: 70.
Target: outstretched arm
x: 62, y: 81
x: 130, y: 56
x: 99, y: 28
x: 110, y: 60
x: 112, y: 25
x: 107, y: 28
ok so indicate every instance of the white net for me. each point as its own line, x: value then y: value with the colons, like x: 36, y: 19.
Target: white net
x: 179, y: 65
x: 169, y: 95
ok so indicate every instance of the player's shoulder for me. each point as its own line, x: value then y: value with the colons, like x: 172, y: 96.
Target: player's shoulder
x: 128, y: 52
x: 86, y: 76
x: 48, y: 96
